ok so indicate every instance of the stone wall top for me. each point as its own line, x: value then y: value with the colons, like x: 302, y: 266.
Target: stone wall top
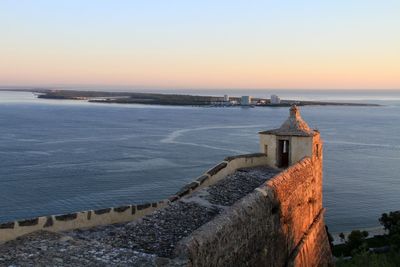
x: 105, y: 216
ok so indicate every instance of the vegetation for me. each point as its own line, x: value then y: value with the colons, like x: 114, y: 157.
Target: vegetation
x: 366, y: 259
x: 376, y: 251
x: 166, y: 99
x: 391, y: 223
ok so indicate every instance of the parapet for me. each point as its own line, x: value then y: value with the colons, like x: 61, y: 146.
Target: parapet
x: 241, y: 212
x: 126, y: 213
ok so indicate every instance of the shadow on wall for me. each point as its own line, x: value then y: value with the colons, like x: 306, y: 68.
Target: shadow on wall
x: 278, y: 224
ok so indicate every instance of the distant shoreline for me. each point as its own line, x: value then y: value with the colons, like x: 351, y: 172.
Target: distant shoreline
x: 172, y: 99
x: 373, y: 231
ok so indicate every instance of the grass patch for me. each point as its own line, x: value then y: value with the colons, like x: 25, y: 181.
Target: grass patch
x: 377, y: 241
x: 366, y: 259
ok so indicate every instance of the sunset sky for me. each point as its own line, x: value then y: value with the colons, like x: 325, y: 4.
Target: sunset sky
x: 341, y: 44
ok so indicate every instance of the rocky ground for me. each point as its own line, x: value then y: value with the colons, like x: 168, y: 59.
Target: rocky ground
x: 156, y: 234
x: 51, y: 249
x: 234, y: 187
x: 145, y: 242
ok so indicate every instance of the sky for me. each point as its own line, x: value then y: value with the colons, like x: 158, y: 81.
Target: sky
x: 208, y: 44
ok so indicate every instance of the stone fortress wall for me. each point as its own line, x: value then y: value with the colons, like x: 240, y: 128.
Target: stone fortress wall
x: 280, y: 223
x: 92, y: 218
x: 268, y: 227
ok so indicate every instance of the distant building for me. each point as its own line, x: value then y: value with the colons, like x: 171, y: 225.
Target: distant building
x: 246, y: 100
x: 275, y: 99
x: 226, y: 98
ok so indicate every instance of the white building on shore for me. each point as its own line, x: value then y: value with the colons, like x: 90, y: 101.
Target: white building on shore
x: 245, y: 100
x: 275, y: 99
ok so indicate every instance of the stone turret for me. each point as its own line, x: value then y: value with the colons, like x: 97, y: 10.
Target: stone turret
x: 291, y: 142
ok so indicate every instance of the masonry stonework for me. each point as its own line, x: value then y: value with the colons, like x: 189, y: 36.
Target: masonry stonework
x: 242, y: 212
x: 279, y: 224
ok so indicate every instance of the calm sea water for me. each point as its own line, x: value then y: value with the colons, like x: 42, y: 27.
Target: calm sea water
x: 63, y: 156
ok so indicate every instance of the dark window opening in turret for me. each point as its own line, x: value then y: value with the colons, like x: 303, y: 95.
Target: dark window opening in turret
x: 266, y: 150
x: 283, y: 153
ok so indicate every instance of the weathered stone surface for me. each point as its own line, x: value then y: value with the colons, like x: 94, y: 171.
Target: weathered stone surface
x: 293, y: 126
x: 314, y: 249
x: 294, y: 187
x: 240, y: 236
x: 9, y: 225
x: 217, y: 168
x: 150, y: 241
x: 202, y: 178
x: 121, y: 209
x: 183, y: 191
x: 66, y: 217
x: 29, y: 222
x: 143, y: 206
x: 193, y: 185
x: 52, y: 249
x: 173, y: 198
x: 102, y: 211
x: 253, y: 155
x: 234, y: 187
x: 186, y: 189
x: 49, y: 222
x: 280, y: 223
x: 242, y: 219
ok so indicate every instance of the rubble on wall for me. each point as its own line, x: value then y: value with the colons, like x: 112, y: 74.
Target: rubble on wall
x: 147, y: 242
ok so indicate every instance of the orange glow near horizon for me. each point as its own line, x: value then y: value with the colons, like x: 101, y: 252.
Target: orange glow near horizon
x: 339, y: 74
x: 311, y: 45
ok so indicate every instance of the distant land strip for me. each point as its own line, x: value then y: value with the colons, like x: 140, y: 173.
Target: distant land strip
x: 170, y: 99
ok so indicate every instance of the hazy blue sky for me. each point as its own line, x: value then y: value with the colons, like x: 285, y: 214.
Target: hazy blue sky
x: 201, y: 44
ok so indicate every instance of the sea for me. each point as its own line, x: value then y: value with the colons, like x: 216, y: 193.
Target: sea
x: 61, y: 156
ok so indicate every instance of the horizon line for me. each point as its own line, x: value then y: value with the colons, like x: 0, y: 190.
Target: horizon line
x: 138, y: 87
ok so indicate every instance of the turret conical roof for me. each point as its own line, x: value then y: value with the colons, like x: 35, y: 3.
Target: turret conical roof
x: 294, y: 125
